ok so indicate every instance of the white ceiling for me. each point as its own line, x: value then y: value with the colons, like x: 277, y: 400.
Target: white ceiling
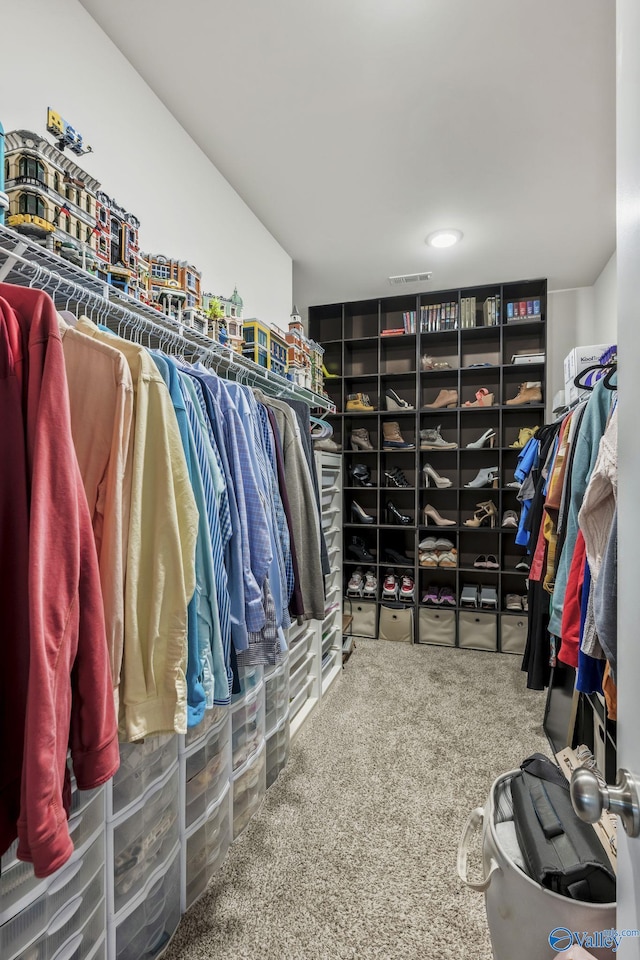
x: 353, y: 128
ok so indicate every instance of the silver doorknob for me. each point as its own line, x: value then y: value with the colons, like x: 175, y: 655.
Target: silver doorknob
x: 590, y: 798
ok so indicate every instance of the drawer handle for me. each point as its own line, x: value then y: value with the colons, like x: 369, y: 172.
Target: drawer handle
x: 64, y: 914
x: 68, y: 949
x: 65, y: 876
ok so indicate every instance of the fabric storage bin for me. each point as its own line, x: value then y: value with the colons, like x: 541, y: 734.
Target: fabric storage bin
x: 207, y: 846
x: 144, y: 839
x: 247, y: 726
x: 249, y: 788
x: 478, y: 631
x: 207, y: 772
x: 519, y: 910
x: 365, y: 619
x: 277, y: 751
x: 250, y: 676
x: 141, y: 764
x: 300, y: 675
x: 513, y: 633
x: 152, y: 920
x: 72, y: 894
x: 276, y: 693
x: 18, y: 885
x: 396, y: 623
x: 211, y: 719
x: 437, y: 626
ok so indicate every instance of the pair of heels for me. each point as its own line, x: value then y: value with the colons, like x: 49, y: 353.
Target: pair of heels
x: 485, y: 478
x: 483, y: 399
x: 487, y: 439
x: 431, y: 515
x: 431, y: 475
x: 394, y: 517
x: 484, y: 516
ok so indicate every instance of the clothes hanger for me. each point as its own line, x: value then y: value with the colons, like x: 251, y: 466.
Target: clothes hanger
x: 578, y: 381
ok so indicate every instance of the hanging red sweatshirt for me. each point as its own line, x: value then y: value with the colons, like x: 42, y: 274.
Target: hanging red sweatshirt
x: 69, y: 691
x: 570, y: 645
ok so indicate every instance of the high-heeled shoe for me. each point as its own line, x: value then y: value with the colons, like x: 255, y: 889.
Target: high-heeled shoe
x: 360, y: 475
x: 483, y: 399
x: 329, y: 376
x: 484, y: 478
x: 487, y: 438
x: 396, y: 478
x: 446, y: 398
x: 394, y: 402
x: 431, y: 474
x: 358, y: 515
x: 484, y: 516
x: 431, y: 515
x: 394, y: 516
x: 359, y: 549
x: 360, y: 439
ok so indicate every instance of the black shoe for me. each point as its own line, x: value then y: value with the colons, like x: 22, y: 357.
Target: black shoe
x: 394, y: 516
x: 360, y: 475
x: 358, y: 515
x: 399, y: 559
x: 396, y: 478
x: 359, y: 549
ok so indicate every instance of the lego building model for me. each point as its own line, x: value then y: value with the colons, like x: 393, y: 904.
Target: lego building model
x: 305, y: 356
x: 266, y: 345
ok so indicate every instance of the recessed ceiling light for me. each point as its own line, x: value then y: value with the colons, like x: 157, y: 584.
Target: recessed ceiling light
x: 444, y: 238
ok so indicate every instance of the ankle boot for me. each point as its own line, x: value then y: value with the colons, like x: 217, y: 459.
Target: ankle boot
x: 360, y: 475
x: 392, y: 438
x: 433, y: 440
x: 359, y: 402
x: 530, y: 392
x: 446, y: 398
x: 396, y: 478
x: 359, y: 549
x: 360, y: 440
x: 394, y: 515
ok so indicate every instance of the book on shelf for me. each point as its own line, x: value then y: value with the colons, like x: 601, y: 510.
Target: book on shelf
x: 491, y: 311
x: 518, y: 310
x: 409, y: 321
x: 393, y: 332
x: 439, y: 317
x: 468, y: 313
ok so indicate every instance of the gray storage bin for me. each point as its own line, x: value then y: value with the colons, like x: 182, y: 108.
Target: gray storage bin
x: 478, y: 630
x: 365, y: 617
x: 513, y: 633
x: 437, y: 626
x: 396, y: 623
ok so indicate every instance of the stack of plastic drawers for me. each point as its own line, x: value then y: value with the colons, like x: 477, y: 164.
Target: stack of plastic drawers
x: 302, y: 670
x: 64, y: 915
x: 206, y: 761
x: 248, y: 753
x: 276, y: 692
x: 143, y: 831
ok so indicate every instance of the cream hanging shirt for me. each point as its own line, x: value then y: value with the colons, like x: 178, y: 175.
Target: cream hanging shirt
x: 160, y: 576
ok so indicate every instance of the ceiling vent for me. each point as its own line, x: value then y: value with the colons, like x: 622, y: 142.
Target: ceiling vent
x: 410, y: 278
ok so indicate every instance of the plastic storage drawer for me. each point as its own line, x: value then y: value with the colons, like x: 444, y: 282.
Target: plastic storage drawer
x: 74, y: 892
x: 207, y: 772
x: 18, y: 885
x: 300, y: 648
x: 207, y: 846
x: 211, y: 719
x: 478, y: 631
x: 300, y: 676
x: 147, y: 929
x: 277, y: 751
x: 249, y: 788
x: 247, y: 726
x: 140, y: 765
x: 145, y: 839
x: 276, y: 697
x: 250, y: 677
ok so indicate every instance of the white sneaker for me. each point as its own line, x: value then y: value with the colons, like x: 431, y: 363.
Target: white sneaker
x: 356, y: 583
x: 407, y: 589
x: 370, y: 584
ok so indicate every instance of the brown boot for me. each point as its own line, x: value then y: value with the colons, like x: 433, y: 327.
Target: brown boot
x: 392, y: 438
x: 446, y: 398
x: 530, y: 392
x: 360, y: 440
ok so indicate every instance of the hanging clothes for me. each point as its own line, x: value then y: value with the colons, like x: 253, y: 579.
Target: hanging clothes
x: 69, y: 695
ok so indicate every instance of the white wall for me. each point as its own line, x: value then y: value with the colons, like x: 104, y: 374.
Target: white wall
x: 142, y: 156
x: 606, y: 303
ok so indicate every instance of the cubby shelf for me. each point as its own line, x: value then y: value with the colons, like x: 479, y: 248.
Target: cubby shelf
x: 372, y: 364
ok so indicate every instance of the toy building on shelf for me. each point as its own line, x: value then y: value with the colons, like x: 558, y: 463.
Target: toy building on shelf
x: 305, y: 356
x: 265, y: 345
x: 231, y: 319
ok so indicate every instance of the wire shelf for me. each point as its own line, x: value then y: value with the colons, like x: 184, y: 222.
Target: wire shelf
x: 26, y: 263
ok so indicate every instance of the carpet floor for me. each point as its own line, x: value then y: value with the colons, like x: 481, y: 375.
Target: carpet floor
x: 353, y: 854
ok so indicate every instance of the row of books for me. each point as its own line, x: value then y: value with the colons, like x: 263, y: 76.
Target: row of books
x: 523, y: 310
x: 438, y: 317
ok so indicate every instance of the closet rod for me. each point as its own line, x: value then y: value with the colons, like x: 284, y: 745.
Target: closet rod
x: 69, y: 286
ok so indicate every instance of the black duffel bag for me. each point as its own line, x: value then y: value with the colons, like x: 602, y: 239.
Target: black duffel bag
x: 561, y: 851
